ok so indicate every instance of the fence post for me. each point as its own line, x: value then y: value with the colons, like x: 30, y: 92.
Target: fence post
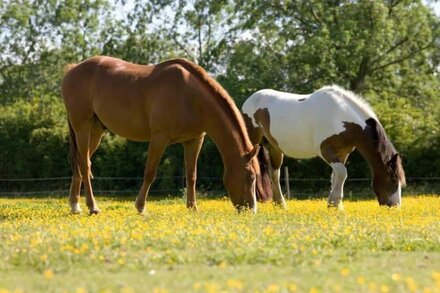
x: 286, y: 179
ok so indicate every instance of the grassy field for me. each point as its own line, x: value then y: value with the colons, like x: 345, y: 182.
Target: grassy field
x: 307, y: 248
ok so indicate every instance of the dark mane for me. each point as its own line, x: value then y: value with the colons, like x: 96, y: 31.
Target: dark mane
x: 225, y: 101
x: 390, y: 157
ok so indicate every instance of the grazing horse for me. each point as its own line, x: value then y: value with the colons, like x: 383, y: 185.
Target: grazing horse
x: 329, y: 123
x: 175, y: 101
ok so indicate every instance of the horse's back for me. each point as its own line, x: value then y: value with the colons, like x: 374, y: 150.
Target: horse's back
x: 129, y: 99
x: 299, y: 123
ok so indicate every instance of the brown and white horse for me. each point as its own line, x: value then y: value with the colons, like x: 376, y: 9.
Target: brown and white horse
x: 175, y: 101
x: 329, y: 123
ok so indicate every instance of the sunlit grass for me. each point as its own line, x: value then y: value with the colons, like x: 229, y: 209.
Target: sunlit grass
x: 307, y: 248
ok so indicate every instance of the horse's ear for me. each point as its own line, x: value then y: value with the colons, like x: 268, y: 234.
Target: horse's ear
x: 394, y: 158
x: 253, y: 153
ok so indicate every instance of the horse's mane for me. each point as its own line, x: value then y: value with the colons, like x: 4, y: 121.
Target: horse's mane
x: 390, y: 157
x: 69, y: 67
x: 360, y: 103
x: 225, y: 101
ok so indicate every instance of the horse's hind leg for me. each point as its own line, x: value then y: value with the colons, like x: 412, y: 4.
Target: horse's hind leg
x: 276, y: 160
x: 156, y: 149
x: 191, y: 153
x: 83, y: 132
x: 95, y: 138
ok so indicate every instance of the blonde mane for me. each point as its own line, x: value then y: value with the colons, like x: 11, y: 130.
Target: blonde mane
x: 355, y: 100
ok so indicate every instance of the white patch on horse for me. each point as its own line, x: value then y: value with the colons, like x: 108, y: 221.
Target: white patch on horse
x: 75, y: 208
x: 396, y: 198
x: 299, y: 123
x: 337, y: 180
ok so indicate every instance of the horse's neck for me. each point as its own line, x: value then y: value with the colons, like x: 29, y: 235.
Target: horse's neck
x: 371, y: 155
x: 226, y: 134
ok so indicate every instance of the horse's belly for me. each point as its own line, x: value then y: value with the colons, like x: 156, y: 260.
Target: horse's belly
x: 294, y: 142
x: 129, y: 126
x: 297, y: 149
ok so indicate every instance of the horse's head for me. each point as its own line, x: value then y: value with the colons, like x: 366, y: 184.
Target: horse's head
x: 240, y: 181
x: 387, y: 184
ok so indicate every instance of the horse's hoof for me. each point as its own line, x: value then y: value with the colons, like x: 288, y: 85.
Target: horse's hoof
x: 281, y: 205
x: 338, y: 206
x: 140, y: 210
x: 192, y: 208
x: 75, y: 209
x: 95, y: 211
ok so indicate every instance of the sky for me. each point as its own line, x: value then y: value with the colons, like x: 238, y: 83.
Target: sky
x: 436, y: 7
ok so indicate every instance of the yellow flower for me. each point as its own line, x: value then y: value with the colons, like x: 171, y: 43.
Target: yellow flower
x: 345, y: 272
x: 360, y: 280
x: 235, y: 284
x: 396, y: 277
x: 411, y: 284
x: 48, y: 274
x: 292, y: 287
x: 436, y: 276
x: 80, y: 290
x: 272, y: 288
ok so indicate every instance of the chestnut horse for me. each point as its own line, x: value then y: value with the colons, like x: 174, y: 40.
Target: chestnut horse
x: 329, y: 123
x: 175, y: 101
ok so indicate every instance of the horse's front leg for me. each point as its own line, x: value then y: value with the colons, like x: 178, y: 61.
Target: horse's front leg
x: 191, y: 153
x: 156, y: 149
x: 337, y: 180
x: 276, y: 160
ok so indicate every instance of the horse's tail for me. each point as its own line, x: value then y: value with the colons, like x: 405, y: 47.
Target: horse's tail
x: 264, y: 185
x: 73, y: 154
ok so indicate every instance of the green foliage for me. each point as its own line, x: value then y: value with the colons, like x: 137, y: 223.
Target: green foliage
x: 33, y: 139
x: 386, y: 51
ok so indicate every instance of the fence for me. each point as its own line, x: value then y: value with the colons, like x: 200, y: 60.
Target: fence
x: 211, y: 186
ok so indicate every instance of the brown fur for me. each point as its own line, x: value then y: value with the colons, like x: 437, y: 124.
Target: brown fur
x: 224, y: 99
x: 374, y: 145
x: 174, y: 101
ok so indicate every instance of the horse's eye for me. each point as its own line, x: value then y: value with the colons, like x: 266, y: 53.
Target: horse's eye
x: 251, y: 178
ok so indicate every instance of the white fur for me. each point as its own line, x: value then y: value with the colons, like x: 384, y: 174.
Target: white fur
x: 75, y: 208
x: 338, y: 178
x: 299, y: 127
x: 396, y: 198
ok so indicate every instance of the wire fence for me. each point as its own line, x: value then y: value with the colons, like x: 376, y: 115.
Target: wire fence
x: 210, y: 186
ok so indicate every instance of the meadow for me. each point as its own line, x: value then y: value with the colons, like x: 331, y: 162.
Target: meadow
x: 307, y: 248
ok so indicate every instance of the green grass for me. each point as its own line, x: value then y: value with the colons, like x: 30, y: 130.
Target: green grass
x: 307, y: 248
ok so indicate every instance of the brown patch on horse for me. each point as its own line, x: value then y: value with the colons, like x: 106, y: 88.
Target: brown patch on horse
x: 262, y: 117
x: 373, y: 144
x: 383, y: 145
x: 335, y: 148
